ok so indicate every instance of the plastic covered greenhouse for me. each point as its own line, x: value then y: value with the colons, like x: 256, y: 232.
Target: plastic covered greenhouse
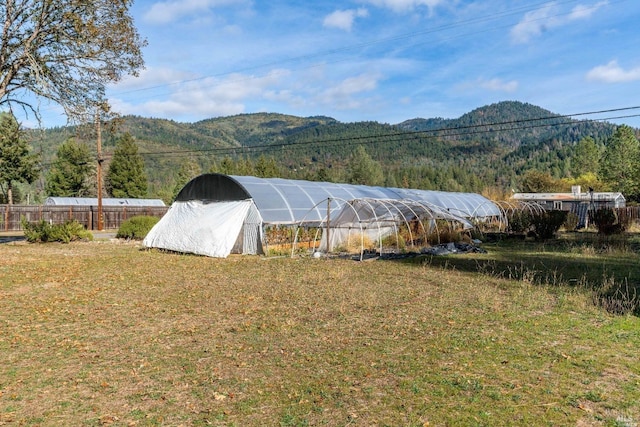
x: 217, y: 214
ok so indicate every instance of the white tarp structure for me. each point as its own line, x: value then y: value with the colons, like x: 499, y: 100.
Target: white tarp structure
x: 203, y: 221
x: 200, y: 228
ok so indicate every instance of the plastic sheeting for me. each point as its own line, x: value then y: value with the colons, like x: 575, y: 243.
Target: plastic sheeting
x: 200, y: 228
x: 289, y: 201
x: 374, y: 219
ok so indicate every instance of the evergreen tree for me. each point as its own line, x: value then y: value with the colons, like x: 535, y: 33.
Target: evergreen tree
x: 244, y: 167
x: 227, y: 166
x: 586, y: 157
x: 322, y: 175
x: 126, y: 176
x: 71, y: 172
x: 362, y: 169
x: 16, y: 162
x: 266, y: 167
x: 619, y: 165
x: 189, y: 169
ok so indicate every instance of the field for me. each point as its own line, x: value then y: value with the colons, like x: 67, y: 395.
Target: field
x: 106, y: 333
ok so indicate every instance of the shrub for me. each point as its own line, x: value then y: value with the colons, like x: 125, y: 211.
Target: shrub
x: 43, y: 232
x: 572, y: 221
x: 519, y: 221
x: 546, y: 224
x: 136, y: 227
x: 607, y: 222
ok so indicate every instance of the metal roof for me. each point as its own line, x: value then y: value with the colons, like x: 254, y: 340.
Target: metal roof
x: 286, y: 201
x: 93, y: 201
x: 577, y: 197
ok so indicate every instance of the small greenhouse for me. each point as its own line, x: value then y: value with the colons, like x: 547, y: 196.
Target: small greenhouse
x: 216, y: 214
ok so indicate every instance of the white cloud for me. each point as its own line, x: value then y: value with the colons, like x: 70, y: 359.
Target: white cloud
x: 159, y: 93
x: 534, y: 23
x: 151, y: 77
x: 550, y: 16
x: 583, y: 12
x: 405, y: 5
x: 343, y: 19
x: 206, y: 97
x: 343, y: 95
x: 170, y: 10
x: 613, y: 73
x: 498, y: 85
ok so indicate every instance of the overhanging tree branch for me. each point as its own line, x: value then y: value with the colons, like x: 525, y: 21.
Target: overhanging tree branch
x: 66, y: 51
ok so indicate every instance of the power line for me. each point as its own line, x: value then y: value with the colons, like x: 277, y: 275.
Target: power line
x: 403, y: 136
x: 445, y: 132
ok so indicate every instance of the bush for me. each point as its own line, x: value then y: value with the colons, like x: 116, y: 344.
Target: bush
x: 519, y: 221
x: 43, y: 232
x: 136, y: 227
x: 546, y: 224
x: 572, y: 221
x: 607, y: 222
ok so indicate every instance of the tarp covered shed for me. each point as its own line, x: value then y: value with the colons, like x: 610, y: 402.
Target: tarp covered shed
x: 217, y: 214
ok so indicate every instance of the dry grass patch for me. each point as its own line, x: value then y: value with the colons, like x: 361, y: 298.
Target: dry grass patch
x: 107, y: 334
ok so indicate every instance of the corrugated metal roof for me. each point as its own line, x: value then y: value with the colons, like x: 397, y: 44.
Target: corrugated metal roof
x: 93, y: 201
x: 573, y: 197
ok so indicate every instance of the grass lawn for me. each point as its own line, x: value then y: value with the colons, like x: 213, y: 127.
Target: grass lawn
x: 104, y: 333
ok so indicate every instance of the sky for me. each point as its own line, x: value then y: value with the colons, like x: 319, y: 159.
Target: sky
x: 381, y: 60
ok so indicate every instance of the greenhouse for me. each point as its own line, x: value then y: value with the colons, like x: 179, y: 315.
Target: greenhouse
x: 216, y: 214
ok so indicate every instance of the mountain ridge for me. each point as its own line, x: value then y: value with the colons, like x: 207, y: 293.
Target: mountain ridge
x: 489, y: 146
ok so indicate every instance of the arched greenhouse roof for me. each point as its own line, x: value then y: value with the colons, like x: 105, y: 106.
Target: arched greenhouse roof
x: 286, y: 201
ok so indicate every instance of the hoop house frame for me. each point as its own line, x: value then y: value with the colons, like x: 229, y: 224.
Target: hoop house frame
x: 384, y: 216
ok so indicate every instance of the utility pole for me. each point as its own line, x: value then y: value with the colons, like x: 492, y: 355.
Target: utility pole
x: 99, y: 145
x: 328, y: 224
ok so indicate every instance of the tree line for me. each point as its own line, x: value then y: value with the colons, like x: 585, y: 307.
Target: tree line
x: 603, y: 165
x: 610, y: 165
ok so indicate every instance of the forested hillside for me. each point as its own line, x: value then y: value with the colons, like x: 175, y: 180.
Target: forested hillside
x: 491, y: 147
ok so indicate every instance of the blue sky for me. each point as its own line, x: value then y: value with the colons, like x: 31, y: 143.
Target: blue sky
x: 381, y: 60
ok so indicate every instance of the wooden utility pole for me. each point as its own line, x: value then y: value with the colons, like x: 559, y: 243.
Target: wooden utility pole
x: 328, y: 224
x: 99, y: 144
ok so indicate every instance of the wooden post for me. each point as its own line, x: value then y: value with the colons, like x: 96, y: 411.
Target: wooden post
x: 328, y: 225
x: 99, y: 145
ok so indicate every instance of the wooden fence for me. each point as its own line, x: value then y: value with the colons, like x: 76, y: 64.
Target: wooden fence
x: 112, y: 216
x: 630, y: 215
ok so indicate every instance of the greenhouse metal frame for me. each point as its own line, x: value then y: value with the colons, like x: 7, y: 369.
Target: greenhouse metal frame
x: 284, y: 202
